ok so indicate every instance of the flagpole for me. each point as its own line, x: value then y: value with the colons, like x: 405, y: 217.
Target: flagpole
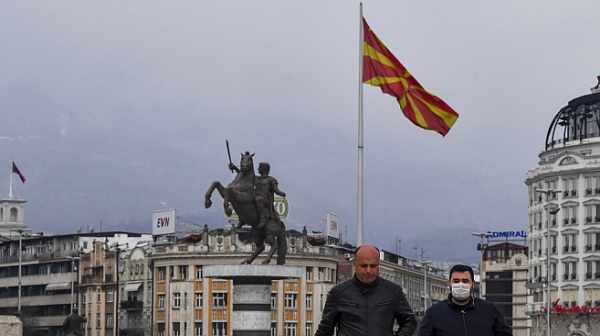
x: 360, y: 130
x: 10, y: 179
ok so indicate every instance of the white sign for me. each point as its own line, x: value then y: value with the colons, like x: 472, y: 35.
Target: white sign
x: 333, y: 225
x: 163, y: 222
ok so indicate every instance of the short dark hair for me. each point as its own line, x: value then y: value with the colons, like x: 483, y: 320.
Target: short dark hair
x: 266, y: 166
x: 462, y: 268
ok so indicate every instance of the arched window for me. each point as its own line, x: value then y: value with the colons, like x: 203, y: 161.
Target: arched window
x: 13, y: 214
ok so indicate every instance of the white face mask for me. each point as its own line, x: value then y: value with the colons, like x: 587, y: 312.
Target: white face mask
x: 461, y: 291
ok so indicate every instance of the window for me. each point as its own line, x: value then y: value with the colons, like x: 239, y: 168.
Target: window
x: 219, y: 300
x: 176, y: 330
x: 110, y: 295
x: 198, y: 272
x: 98, y: 295
x: 320, y: 276
x: 219, y: 328
x: 291, y: 300
x: 137, y: 269
x: 273, y: 301
x: 185, y: 297
x: 309, y: 302
x: 172, y: 271
x: 569, y: 187
x: 83, y: 298
x: 274, y: 329
x: 176, y: 300
x: 308, y: 330
x: 290, y: 329
x: 161, y: 301
x: 570, y: 270
x: 183, y: 272
x: 309, y: 272
x: 161, y: 329
x: 198, y: 329
x: 98, y: 321
x: 198, y: 300
x: 162, y: 273
x: 109, y: 320
x: 569, y: 242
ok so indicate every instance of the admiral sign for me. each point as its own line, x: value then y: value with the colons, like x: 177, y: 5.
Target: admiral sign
x: 507, y: 234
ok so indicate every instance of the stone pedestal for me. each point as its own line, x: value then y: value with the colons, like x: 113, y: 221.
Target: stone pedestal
x: 252, y: 294
x: 10, y: 326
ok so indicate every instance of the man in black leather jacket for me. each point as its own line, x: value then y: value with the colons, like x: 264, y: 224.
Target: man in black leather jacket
x: 366, y: 305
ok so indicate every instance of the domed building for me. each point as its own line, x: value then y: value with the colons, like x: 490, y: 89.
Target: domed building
x: 564, y: 223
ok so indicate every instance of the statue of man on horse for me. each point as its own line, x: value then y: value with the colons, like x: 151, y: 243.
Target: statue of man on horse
x: 252, y: 198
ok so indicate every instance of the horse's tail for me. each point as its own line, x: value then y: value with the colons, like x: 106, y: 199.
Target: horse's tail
x: 281, y: 245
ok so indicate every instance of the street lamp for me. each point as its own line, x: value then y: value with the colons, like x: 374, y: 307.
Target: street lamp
x: 20, y: 265
x: 72, y: 281
x: 549, y: 212
x: 425, y: 263
x: 481, y: 247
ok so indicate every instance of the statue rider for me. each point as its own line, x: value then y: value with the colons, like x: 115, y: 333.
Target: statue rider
x: 265, y: 187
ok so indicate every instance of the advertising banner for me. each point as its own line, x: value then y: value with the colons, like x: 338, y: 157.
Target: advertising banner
x: 163, y: 222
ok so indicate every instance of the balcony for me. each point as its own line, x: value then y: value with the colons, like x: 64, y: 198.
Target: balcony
x: 132, y: 305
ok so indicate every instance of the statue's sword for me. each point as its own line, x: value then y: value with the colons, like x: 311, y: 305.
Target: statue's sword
x: 229, y: 153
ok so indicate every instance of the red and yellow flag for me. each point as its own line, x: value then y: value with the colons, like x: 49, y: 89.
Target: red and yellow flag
x: 381, y: 68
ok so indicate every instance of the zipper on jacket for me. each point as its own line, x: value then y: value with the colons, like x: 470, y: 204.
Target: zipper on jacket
x: 464, y: 321
x: 367, y: 319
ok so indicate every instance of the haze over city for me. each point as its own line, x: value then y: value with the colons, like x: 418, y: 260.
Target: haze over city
x: 115, y: 109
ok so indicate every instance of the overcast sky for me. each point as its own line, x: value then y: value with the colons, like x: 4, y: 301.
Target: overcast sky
x: 280, y: 78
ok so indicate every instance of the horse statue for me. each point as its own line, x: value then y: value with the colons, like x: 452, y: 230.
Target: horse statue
x: 240, y: 194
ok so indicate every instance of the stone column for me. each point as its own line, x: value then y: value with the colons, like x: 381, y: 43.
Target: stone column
x: 252, y: 294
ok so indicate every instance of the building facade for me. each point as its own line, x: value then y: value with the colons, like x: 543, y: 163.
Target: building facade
x: 505, y: 268
x: 564, y: 223
x: 135, y: 309
x: 186, y: 303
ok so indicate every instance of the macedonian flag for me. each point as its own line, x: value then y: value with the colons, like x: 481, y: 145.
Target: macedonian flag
x: 381, y: 68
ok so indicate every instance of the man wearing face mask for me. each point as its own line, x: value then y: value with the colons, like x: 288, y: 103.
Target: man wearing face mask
x: 462, y: 314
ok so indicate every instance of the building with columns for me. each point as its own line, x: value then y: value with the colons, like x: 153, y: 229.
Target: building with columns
x: 564, y: 223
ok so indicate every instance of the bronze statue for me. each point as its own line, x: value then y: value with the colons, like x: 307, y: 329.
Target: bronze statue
x: 266, y: 186
x: 241, y: 194
x: 72, y: 326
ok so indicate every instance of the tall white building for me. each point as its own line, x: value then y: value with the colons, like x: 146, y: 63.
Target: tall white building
x: 570, y: 165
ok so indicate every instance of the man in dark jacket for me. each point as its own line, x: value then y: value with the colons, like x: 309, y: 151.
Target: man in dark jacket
x: 366, y: 305
x: 461, y: 314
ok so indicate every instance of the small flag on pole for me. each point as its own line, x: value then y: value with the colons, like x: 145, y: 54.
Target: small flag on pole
x: 381, y: 68
x: 16, y: 170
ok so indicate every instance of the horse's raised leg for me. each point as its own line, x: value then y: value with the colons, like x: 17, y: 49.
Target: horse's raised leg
x: 223, y: 192
x: 207, y: 201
